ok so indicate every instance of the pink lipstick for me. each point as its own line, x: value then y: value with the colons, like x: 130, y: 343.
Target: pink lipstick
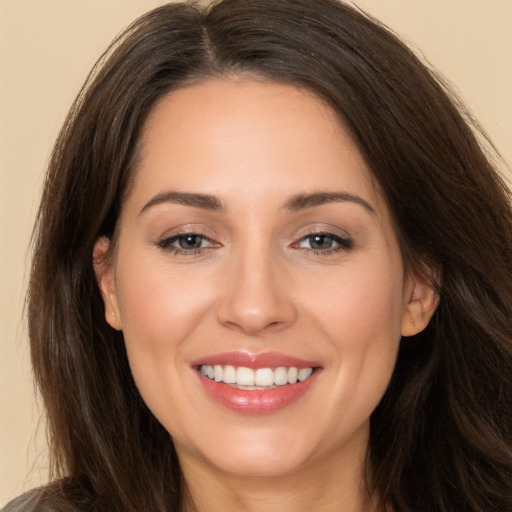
x: 255, y: 383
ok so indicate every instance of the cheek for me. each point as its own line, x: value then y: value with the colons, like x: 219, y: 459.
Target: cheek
x: 360, y: 306
x: 158, y: 304
x: 361, y: 319
x: 373, y: 321
x: 159, y: 309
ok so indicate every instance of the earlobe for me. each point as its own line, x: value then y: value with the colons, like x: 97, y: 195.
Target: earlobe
x: 420, y: 303
x: 106, y: 282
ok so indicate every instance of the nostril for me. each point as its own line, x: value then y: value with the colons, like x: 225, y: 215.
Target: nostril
x: 275, y: 325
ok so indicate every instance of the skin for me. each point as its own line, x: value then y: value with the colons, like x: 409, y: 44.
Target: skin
x: 257, y: 285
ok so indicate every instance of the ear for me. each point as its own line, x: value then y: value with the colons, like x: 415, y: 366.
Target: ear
x: 106, y: 281
x: 420, y: 303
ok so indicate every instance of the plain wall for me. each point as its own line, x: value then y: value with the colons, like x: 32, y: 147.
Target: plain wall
x: 46, y: 50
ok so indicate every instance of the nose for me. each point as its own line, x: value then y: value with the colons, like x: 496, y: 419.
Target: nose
x: 255, y: 295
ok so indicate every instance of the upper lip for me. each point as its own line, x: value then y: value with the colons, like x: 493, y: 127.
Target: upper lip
x: 254, y: 361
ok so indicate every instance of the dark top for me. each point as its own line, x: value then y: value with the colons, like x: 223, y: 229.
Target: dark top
x: 37, y: 501
x: 26, y: 503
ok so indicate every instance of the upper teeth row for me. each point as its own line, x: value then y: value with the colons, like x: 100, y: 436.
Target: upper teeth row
x: 243, y: 376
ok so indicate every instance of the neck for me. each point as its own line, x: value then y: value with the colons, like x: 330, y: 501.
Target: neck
x: 330, y: 484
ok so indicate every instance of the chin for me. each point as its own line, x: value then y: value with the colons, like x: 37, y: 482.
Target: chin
x: 258, y: 461
x: 245, y: 449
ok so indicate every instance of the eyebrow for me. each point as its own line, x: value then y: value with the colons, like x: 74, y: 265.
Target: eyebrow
x: 203, y: 201
x: 303, y: 201
x: 213, y: 203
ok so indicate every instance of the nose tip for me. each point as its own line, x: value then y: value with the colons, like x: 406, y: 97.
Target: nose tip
x: 254, y: 321
x: 255, y: 301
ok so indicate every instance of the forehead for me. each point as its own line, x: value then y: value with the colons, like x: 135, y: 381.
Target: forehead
x: 247, y: 138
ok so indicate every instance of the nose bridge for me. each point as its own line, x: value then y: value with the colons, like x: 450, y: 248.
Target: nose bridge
x: 255, y: 294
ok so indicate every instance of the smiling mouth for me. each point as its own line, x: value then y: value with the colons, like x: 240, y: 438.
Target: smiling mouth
x: 260, y: 379
x: 256, y: 383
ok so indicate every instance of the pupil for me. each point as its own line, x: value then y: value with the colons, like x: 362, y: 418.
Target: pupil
x: 190, y: 242
x: 321, y: 242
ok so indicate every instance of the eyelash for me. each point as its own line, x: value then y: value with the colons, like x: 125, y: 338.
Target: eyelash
x: 166, y: 244
x: 344, y: 244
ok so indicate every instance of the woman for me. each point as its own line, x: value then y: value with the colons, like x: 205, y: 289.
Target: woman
x: 272, y: 271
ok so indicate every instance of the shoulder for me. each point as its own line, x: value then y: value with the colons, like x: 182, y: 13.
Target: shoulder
x: 37, y: 500
x: 28, y: 502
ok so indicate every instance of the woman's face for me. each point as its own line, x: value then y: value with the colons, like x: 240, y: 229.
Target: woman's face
x: 255, y: 251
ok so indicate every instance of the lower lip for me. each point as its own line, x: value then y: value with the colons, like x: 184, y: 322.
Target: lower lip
x: 257, y: 401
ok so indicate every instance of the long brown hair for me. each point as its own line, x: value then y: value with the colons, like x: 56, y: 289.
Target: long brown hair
x: 441, y: 438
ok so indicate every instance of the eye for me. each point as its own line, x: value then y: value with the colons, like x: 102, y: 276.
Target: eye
x: 324, y: 243
x: 190, y: 241
x: 186, y: 242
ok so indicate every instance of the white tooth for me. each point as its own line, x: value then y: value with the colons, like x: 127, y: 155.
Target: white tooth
x: 250, y: 388
x: 280, y: 376
x: 217, y: 372
x: 244, y: 376
x: 264, y: 377
x: 304, y: 373
x: 292, y: 375
x: 229, y: 376
x: 204, y: 371
x: 210, y: 372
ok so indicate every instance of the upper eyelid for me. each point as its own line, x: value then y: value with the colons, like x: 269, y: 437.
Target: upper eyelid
x: 213, y: 235
x: 329, y: 230
x: 326, y: 234
x: 339, y: 233
x: 345, y: 241
x: 186, y: 233
x: 187, y: 230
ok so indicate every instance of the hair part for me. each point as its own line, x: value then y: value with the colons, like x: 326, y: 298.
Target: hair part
x: 441, y: 437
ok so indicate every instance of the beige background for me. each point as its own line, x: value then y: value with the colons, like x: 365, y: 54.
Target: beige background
x: 46, y: 49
